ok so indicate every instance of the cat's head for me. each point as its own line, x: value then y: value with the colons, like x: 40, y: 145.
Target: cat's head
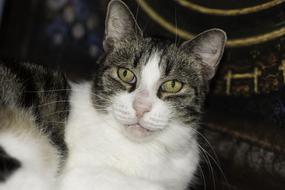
x: 147, y: 84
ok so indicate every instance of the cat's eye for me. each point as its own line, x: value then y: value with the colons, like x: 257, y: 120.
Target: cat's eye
x: 171, y: 86
x: 126, y: 75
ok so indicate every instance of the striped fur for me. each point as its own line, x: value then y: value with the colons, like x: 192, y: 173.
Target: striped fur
x: 33, y: 110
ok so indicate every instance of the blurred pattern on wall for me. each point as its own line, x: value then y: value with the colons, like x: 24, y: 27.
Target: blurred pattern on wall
x: 246, y: 118
x: 53, y: 32
x: 1, y: 8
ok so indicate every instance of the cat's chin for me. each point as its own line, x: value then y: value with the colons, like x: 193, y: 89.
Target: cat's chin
x: 138, y: 132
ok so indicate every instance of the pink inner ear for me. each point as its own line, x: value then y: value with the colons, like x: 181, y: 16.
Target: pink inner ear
x: 142, y: 103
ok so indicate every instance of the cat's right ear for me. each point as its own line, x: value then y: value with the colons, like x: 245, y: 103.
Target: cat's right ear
x: 120, y: 24
x: 208, y: 47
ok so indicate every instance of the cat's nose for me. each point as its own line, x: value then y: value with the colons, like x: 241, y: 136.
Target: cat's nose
x: 142, y: 103
x: 141, y: 107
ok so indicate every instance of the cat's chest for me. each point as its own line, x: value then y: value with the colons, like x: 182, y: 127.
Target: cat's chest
x: 102, y: 145
x: 117, y: 151
x: 138, y: 162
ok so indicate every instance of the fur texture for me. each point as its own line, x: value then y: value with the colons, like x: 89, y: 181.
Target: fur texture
x: 32, y: 115
x: 133, y: 126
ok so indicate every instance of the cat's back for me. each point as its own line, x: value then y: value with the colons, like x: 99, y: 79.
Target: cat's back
x: 31, y: 130
x: 40, y: 91
x: 27, y: 84
x: 10, y: 84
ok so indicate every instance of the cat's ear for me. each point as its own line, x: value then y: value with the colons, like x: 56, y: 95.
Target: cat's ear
x: 120, y: 24
x: 209, y: 47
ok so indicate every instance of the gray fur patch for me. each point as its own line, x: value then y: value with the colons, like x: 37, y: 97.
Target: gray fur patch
x: 37, y: 89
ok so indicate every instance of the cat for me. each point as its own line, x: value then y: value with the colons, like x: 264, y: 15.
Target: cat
x: 132, y: 126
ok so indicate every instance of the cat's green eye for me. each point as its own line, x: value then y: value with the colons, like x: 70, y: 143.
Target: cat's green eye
x: 126, y: 75
x: 171, y: 86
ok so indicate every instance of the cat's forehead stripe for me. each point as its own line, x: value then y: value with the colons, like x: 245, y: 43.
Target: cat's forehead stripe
x: 137, y: 58
x: 168, y: 67
x: 151, y: 72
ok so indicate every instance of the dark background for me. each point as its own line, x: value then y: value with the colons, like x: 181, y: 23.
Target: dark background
x: 245, y: 121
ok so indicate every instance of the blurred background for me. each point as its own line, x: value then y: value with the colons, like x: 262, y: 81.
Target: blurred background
x: 243, y: 134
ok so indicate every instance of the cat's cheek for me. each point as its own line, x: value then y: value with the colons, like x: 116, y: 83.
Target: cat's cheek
x: 123, y: 117
x: 158, y: 118
x: 154, y: 122
x: 122, y: 110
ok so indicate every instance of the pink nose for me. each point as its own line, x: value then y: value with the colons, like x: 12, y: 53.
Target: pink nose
x: 142, y: 104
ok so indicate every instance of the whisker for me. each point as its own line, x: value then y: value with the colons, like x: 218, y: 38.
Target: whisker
x: 101, y: 97
x: 207, y: 141
x: 96, y: 106
x: 53, y: 102
x: 52, y: 90
x: 208, y: 162
x: 57, y: 122
x: 214, y: 159
x: 61, y: 90
x: 203, y: 177
x: 57, y: 112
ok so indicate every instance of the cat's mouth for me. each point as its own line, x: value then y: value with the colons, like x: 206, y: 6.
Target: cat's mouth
x: 137, y: 130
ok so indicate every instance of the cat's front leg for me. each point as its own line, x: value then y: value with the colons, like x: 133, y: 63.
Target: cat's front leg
x: 90, y: 178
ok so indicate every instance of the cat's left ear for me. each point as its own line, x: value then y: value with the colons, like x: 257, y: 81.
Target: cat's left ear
x: 120, y: 24
x: 209, y: 47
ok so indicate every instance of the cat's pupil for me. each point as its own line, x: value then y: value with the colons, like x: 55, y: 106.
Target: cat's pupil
x: 125, y: 73
x: 172, y: 84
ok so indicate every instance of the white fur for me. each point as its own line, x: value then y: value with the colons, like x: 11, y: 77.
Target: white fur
x: 101, y: 155
x: 151, y: 73
x: 39, y: 159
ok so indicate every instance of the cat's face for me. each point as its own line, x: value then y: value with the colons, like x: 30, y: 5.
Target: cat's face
x: 146, y: 84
